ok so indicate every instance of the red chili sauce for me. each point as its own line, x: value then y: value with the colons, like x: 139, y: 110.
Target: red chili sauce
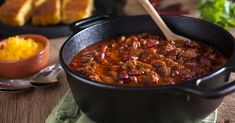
x: 145, y: 60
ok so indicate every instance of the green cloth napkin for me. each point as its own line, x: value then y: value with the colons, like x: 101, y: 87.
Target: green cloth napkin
x: 66, y: 111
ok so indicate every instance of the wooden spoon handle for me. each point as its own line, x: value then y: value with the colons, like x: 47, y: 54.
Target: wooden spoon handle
x: 157, y: 19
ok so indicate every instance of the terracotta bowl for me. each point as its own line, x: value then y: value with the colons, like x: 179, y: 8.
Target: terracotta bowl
x: 28, y: 66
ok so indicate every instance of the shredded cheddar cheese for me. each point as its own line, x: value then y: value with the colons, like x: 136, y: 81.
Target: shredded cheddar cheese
x: 18, y: 48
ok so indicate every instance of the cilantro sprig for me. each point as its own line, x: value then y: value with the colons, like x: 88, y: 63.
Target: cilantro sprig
x: 221, y: 12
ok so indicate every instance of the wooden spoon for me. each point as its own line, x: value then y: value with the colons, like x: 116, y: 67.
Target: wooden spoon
x: 158, y: 20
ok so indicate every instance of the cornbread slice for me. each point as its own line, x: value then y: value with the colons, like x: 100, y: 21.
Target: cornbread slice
x: 74, y: 10
x: 15, y: 12
x: 37, y: 3
x: 47, y: 13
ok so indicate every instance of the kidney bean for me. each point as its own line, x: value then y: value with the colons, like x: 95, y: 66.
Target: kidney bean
x: 190, y: 64
x: 219, y: 59
x: 196, y: 70
x: 193, y: 66
x: 187, y: 75
x: 206, y: 61
x: 187, y: 44
x: 126, y: 57
x: 191, y: 44
x: 99, y: 57
x: 135, y: 72
x: 174, y: 72
x: 174, y: 52
x: 124, y: 75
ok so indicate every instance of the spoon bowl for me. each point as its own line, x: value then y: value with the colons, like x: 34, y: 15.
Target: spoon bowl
x: 14, y: 85
x: 47, y: 76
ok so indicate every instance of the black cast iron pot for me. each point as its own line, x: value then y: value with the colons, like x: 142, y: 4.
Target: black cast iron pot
x: 180, y: 103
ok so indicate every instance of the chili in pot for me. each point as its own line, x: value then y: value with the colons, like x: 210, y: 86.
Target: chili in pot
x: 146, y: 60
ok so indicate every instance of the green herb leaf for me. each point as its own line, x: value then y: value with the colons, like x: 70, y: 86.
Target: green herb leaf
x: 221, y: 12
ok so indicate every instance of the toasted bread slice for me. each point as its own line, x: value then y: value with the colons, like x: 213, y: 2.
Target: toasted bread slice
x: 47, y: 13
x: 74, y: 10
x: 15, y: 12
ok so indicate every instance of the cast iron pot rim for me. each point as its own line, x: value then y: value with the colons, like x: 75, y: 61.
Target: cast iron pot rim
x: 193, y: 82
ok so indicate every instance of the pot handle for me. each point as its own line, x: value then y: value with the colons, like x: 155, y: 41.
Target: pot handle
x: 226, y: 89
x: 85, y: 23
x: 221, y: 91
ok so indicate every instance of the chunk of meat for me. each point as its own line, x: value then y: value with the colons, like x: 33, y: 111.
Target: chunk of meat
x: 134, y: 79
x: 149, y: 55
x: 161, y: 67
x: 114, y: 74
x: 95, y: 78
x: 169, y: 47
x: 144, y: 65
x: 131, y: 64
x: 190, y: 53
x: 107, y: 79
x: 169, y: 80
x: 174, y: 52
x: 171, y: 63
x: 152, y: 78
x: 151, y: 44
x: 172, y: 57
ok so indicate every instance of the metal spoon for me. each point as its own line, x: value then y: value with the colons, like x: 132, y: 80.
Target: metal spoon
x: 158, y: 20
x: 14, y: 85
x: 44, y: 78
x: 47, y: 76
